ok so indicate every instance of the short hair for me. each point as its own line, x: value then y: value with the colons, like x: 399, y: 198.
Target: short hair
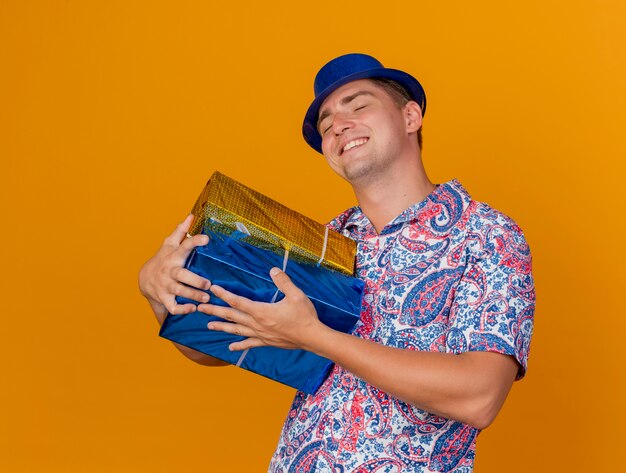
x: 399, y: 95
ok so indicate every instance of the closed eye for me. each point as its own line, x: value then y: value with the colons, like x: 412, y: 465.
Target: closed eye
x: 324, y: 130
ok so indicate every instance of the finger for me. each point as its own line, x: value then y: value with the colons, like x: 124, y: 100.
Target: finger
x: 179, y: 309
x: 240, y: 303
x: 181, y: 253
x: 189, y: 293
x: 190, y: 243
x: 226, y: 313
x: 284, y: 284
x: 190, y: 278
x: 246, y: 344
x: 228, y: 327
x: 180, y: 231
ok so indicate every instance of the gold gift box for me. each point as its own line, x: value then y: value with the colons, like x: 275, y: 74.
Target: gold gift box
x: 237, y: 206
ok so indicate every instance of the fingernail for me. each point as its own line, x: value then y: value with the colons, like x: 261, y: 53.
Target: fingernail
x: 209, y: 326
x: 274, y: 271
x: 205, y: 298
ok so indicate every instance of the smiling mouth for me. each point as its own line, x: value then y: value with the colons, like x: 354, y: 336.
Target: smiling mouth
x: 353, y: 144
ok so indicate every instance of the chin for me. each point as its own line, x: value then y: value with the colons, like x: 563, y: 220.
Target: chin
x: 359, y: 172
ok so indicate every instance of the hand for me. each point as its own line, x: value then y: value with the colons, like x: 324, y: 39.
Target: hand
x: 290, y: 323
x: 164, y: 277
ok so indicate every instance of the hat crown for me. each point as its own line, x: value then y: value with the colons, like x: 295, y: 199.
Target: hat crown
x: 341, y: 67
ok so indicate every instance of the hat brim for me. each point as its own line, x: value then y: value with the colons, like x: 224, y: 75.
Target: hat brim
x: 410, y: 83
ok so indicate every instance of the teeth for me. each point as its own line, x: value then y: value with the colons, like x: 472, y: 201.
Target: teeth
x: 354, y: 143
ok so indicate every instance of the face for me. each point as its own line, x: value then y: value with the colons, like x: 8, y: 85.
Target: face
x: 364, y: 133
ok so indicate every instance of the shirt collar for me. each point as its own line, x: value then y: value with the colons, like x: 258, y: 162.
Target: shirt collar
x: 441, y: 208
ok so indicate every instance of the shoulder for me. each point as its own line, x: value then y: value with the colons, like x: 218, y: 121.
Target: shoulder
x: 496, y: 238
x: 485, y: 220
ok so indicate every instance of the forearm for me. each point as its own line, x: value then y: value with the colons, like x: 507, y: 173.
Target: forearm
x: 470, y: 387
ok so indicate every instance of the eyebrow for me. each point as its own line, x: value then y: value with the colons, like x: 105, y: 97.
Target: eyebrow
x: 344, y: 101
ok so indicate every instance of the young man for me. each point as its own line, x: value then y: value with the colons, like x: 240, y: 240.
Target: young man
x: 447, y: 311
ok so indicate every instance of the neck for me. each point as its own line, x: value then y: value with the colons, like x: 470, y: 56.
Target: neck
x: 387, y: 195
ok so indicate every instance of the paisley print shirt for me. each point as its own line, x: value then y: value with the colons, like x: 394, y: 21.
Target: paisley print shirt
x: 449, y: 274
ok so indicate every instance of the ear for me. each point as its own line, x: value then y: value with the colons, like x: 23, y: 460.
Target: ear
x: 413, y: 116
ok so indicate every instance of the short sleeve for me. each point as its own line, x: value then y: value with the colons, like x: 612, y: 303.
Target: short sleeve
x: 494, y: 304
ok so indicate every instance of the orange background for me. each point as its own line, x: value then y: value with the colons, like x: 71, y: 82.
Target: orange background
x: 114, y: 113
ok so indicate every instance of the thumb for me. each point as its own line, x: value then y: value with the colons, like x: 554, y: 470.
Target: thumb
x: 180, y: 232
x: 283, y: 283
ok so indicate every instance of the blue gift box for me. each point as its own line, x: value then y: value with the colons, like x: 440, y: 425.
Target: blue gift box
x: 234, y: 263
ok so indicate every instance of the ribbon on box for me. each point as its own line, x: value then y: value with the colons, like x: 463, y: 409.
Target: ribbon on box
x: 241, y: 227
x: 245, y: 352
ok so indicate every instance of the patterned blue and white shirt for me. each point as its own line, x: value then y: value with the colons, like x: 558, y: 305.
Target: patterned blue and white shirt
x: 450, y: 275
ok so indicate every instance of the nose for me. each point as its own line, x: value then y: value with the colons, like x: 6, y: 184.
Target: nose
x: 341, y: 123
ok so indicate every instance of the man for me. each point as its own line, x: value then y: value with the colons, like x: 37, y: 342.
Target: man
x: 448, y: 306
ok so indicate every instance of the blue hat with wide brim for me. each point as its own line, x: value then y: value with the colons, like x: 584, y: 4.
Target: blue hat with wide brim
x: 349, y: 68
